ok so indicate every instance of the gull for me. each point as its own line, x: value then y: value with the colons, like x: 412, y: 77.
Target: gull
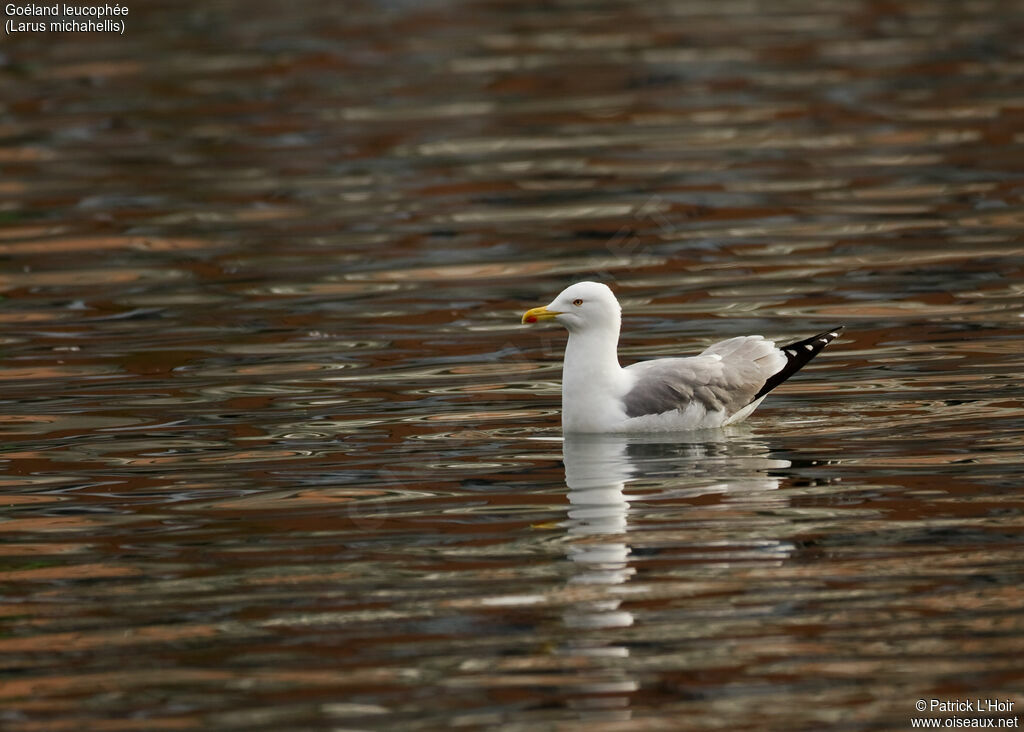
x: 722, y: 385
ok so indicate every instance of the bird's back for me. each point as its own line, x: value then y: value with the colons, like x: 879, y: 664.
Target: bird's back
x: 716, y: 384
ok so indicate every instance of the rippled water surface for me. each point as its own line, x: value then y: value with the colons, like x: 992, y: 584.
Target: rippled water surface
x: 277, y: 454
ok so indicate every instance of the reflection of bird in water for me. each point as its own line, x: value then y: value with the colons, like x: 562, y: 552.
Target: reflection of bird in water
x: 722, y: 385
x: 597, y: 469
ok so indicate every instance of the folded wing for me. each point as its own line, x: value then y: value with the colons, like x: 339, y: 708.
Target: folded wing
x: 725, y: 378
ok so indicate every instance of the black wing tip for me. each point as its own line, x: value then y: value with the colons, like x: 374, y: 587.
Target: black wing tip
x: 829, y: 335
x: 798, y: 355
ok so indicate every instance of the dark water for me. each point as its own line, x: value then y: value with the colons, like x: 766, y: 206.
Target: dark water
x: 278, y: 455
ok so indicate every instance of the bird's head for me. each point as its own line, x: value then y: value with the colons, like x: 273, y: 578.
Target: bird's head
x: 581, y: 307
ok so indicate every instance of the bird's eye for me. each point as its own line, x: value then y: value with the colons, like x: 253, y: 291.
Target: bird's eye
x: 577, y: 302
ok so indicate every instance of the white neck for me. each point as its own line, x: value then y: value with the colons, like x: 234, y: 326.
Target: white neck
x: 591, y: 373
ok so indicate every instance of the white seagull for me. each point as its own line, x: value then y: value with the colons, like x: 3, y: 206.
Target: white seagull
x: 722, y: 385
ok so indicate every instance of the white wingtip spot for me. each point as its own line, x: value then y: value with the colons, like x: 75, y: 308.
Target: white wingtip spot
x: 790, y: 352
x: 808, y: 346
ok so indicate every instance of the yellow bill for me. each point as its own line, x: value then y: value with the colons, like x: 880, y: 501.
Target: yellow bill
x: 538, y: 314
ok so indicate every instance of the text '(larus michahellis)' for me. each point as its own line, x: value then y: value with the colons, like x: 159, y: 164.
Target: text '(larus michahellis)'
x: 722, y: 385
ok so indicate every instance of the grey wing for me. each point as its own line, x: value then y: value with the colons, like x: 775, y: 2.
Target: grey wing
x: 726, y: 377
